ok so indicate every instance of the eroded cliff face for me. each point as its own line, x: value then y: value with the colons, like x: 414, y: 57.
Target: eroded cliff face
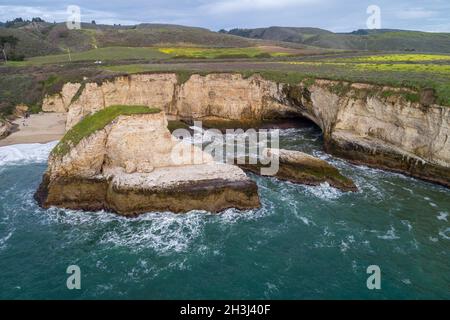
x: 5, y: 128
x: 225, y: 96
x: 367, y: 124
x: 134, y: 165
x: 379, y: 127
x: 61, y: 102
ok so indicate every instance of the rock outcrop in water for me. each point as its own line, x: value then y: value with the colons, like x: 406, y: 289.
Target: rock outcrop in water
x: 128, y: 167
x: 301, y: 168
x: 366, y: 124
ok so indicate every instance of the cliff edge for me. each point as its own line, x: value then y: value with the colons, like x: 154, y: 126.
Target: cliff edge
x: 397, y: 129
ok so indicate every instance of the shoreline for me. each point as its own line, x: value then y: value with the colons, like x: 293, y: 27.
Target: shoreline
x: 38, y: 128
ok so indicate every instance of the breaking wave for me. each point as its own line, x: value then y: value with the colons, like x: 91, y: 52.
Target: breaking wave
x: 26, y: 153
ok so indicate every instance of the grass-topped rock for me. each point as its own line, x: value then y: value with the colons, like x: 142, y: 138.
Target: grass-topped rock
x: 124, y: 159
x: 95, y: 122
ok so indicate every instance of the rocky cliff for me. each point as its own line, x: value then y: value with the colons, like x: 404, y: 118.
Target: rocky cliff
x: 373, y: 125
x: 225, y: 96
x: 4, y: 128
x: 134, y: 165
x: 379, y: 126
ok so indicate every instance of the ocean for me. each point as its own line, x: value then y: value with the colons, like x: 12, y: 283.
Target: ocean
x: 304, y: 243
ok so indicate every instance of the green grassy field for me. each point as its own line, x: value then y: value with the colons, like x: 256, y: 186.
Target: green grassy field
x: 148, y: 53
x: 388, y: 67
x: 102, y: 54
x: 217, y: 53
x: 413, y: 58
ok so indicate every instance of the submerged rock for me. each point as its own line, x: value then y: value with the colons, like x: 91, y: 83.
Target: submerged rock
x: 134, y: 165
x: 299, y: 167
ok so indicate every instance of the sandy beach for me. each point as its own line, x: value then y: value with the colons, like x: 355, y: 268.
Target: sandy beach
x: 38, y: 128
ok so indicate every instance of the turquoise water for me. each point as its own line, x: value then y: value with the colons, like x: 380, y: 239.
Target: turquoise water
x: 305, y: 242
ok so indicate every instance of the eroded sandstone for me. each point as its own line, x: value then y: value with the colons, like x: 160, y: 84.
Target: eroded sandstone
x: 217, y: 96
x: 134, y: 165
x: 5, y: 128
x: 367, y: 124
x: 383, y: 131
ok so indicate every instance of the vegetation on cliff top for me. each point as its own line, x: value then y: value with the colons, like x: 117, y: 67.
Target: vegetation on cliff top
x: 29, y: 85
x: 415, y: 76
x: 97, y: 121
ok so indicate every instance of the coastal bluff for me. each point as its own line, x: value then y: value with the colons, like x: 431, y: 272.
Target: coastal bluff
x: 391, y: 128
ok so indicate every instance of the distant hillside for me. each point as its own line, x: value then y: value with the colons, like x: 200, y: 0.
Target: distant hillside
x: 41, y: 38
x: 297, y: 35
x: 383, y: 40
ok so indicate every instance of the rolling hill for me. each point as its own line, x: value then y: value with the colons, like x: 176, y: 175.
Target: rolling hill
x: 43, y: 38
x: 374, y: 40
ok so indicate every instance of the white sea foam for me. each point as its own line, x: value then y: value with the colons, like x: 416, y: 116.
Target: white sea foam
x: 324, y: 191
x: 443, y: 216
x: 26, y: 153
x: 390, y: 235
x: 305, y: 220
x: 164, y: 233
x: 407, y: 224
x: 270, y: 290
x: 5, y: 239
x: 232, y: 216
x: 445, y: 234
x: 407, y: 281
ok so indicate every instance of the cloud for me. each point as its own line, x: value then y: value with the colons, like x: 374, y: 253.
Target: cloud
x: 233, y: 6
x: 27, y: 12
x: 415, y: 13
x: 216, y: 14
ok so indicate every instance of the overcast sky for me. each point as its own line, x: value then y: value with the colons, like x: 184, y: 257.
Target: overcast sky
x: 334, y: 15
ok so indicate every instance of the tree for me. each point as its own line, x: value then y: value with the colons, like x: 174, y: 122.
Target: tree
x: 7, y: 43
x: 16, y: 21
x: 93, y: 22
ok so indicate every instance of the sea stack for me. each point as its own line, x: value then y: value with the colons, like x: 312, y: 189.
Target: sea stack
x: 124, y: 159
x: 301, y: 168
